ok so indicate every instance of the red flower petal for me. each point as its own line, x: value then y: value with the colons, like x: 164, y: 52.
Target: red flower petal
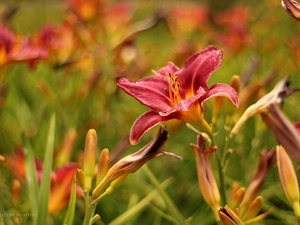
x: 7, y: 38
x: 150, y: 91
x: 198, y: 68
x: 221, y: 90
x: 171, y: 68
x: 144, y: 123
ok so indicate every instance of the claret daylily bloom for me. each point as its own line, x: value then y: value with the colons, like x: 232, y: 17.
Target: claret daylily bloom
x: 174, y: 93
x: 61, y: 179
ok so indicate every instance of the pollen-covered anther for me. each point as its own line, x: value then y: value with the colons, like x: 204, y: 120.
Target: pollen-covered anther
x: 174, y: 89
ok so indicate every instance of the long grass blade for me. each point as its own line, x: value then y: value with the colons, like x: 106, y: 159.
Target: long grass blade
x: 137, y: 208
x: 72, y: 205
x: 31, y: 177
x: 45, y: 184
x: 175, y: 213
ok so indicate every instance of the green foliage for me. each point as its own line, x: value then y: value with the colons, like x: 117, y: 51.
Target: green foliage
x: 78, y: 85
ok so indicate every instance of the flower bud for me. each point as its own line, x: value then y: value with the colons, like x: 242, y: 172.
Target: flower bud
x: 80, y: 178
x: 218, y: 103
x: 253, y: 209
x: 90, y: 151
x: 238, y: 198
x: 116, y: 183
x: 230, y: 109
x: 16, y: 192
x: 65, y: 152
x: 288, y: 179
x: 103, y: 165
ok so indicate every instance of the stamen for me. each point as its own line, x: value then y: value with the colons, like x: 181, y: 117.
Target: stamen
x: 174, y: 89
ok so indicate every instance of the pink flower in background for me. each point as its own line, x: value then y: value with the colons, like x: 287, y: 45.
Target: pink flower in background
x: 18, y: 49
x: 61, y: 179
x: 174, y: 93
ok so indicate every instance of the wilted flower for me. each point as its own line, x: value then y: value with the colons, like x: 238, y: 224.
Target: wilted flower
x: 277, y: 95
x: 288, y: 179
x: 292, y: 7
x: 175, y: 93
x: 133, y: 162
x: 284, y: 131
x: 267, y: 159
x: 206, y: 179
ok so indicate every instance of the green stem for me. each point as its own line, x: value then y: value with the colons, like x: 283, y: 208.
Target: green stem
x: 89, y: 214
x: 221, y: 179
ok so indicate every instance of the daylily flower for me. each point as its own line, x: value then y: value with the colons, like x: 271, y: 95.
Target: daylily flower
x: 187, y: 17
x: 133, y: 162
x: 175, y: 93
x: 18, y: 49
x: 235, y: 22
x: 292, y: 7
x: 61, y: 179
x: 61, y: 186
x: 16, y: 164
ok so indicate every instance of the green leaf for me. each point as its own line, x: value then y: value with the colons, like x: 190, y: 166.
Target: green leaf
x: 45, y: 184
x: 137, y: 208
x: 72, y: 204
x: 173, y: 210
x: 31, y: 176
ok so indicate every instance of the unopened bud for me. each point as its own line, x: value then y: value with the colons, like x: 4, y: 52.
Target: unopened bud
x: 16, y: 192
x: 238, y: 198
x: 103, y: 165
x: 288, y: 179
x: 218, y: 103
x: 230, y: 109
x: 80, y: 178
x: 90, y: 151
x: 116, y: 183
x: 254, y: 208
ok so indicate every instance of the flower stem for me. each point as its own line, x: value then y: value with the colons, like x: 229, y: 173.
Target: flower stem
x: 89, y: 214
x: 221, y: 179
